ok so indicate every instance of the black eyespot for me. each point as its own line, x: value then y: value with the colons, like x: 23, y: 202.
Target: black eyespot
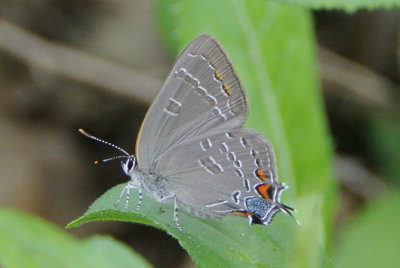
x: 130, y: 164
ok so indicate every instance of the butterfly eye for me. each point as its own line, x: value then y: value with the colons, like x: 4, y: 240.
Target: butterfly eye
x: 128, y: 166
x: 131, y: 164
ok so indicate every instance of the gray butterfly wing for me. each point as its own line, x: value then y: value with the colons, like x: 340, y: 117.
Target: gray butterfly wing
x: 217, y: 172
x: 202, y: 92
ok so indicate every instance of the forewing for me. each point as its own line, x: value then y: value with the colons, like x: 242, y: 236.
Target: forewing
x: 201, y: 93
x: 214, y: 173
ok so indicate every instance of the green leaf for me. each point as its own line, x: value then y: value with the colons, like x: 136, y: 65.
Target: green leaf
x: 372, y: 238
x: 347, y: 5
x: 228, y: 242
x: 29, y: 241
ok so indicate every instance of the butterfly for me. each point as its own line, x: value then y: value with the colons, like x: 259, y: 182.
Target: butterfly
x: 193, y: 148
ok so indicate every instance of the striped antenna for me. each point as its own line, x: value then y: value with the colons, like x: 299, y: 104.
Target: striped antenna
x: 106, y: 143
x: 115, y: 157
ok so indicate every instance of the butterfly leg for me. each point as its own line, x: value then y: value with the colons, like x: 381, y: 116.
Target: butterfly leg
x: 127, y: 189
x: 120, y: 196
x: 140, y: 200
x: 176, y: 219
x: 127, y: 197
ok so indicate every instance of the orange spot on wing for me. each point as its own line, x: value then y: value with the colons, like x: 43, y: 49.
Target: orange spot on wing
x: 263, y: 190
x: 211, y: 62
x: 227, y: 89
x: 218, y: 75
x: 225, y: 86
x: 261, y: 174
x: 243, y: 213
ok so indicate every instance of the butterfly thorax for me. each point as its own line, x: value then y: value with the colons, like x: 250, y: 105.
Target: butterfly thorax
x: 152, y: 183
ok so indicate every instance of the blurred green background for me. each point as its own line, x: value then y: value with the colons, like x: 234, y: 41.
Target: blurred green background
x: 322, y: 82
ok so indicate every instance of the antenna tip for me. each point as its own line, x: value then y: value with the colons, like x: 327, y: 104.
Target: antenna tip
x: 84, y: 133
